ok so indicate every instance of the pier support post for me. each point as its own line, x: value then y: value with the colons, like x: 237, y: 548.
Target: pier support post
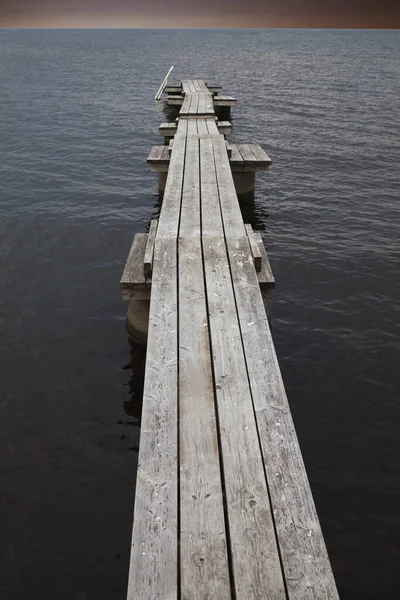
x: 244, y: 183
x: 162, y: 181
x: 137, y: 320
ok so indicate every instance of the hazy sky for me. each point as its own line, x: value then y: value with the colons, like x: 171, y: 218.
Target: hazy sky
x: 200, y: 13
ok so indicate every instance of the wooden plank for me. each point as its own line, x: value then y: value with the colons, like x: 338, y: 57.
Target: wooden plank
x: 304, y: 558
x: 149, y: 252
x: 260, y: 154
x: 192, y: 127
x: 212, y: 127
x: 186, y: 86
x: 224, y: 127
x: 133, y: 276
x: 203, y: 86
x: 236, y: 158
x: 265, y: 277
x: 210, y: 105
x: 201, y: 108
x: 197, y: 85
x: 204, y: 561
x: 252, y: 537
x: 173, y: 100
x: 253, y: 543
x: 170, y: 209
x: 173, y: 89
x: 202, y: 126
x: 153, y: 569
x: 233, y: 221
x: 224, y: 101
x: 194, y: 102
x: 255, y: 250
x: 155, y: 154
x: 305, y: 561
x: 182, y: 127
x: 246, y: 153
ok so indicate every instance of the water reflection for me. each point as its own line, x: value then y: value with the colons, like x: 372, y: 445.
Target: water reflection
x: 136, y: 367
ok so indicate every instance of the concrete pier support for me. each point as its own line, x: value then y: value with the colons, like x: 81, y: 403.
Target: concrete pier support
x: 162, y: 181
x: 244, y: 183
x: 137, y: 320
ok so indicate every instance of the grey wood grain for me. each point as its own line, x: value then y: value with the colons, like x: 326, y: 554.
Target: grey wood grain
x: 170, y: 209
x: 149, y: 252
x: 182, y: 127
x: 260, y: 154
x: 153, y: 569
x: 212, y: 127
x: 246, y: 153
x: 304, y: 558
x: 133, y: 276
x: 305, y: 561
x: 233, y: 221
x: 194, y: 103
x: 252, y: 536
x: 202, y: 126
x: 255, y: 250
x: 204, y: 560
x: 155, y: 154
x: 192, y: 127
x: 265, y: 277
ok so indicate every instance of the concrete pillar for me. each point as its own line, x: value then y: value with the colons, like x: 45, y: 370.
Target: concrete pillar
x: 137, y: 320
x: 162, y: 181
x: 244, y: 184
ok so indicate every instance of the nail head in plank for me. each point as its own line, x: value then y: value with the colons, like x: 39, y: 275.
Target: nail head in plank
x: 149, y: 253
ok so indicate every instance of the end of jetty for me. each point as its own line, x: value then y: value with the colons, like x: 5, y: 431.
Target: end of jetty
x: 223, y: 507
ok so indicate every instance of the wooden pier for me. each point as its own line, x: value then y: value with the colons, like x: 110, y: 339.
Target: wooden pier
x: 223, y: 507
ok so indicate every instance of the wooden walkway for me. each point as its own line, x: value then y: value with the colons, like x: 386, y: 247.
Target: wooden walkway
x: 223, y: 508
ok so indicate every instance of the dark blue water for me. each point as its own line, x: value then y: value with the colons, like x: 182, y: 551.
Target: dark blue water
x: 77, y: 120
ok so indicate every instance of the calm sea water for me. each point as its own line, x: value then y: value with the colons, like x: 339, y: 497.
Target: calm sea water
x: 77, y: 120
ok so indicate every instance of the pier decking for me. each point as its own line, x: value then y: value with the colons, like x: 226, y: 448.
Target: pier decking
x: 223, y: 507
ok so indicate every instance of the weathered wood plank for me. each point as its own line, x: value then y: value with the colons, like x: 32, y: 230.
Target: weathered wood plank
x: 224, y: 101
x: 252, y: 536
x: 253, y: 543
x: 133, y: 275
x: 170, y: 209
x: 192, y: 127
x: 305, y: 561
x: 212, y: 127
x: 255, y: 250
x: 246, y: 153
x: 153, y: 569
x: 201, y: 107
x: 173, y: 89
x: 155, y: 154
x: 265, y: 276
x: 260, y: 154
x: 233, y: 221
x: 202, y: 126
x: 182, y: 127
x: 149, y: 252
x: 194, y: 103
x: 204, y: 560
